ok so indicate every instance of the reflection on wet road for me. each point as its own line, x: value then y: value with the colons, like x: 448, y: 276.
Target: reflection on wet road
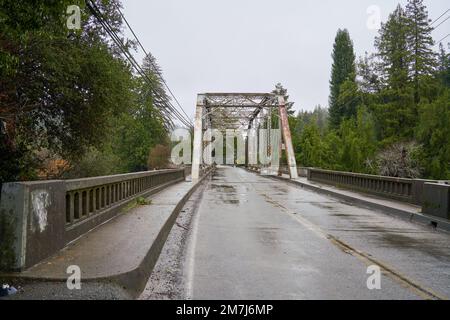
x: 257, y: 238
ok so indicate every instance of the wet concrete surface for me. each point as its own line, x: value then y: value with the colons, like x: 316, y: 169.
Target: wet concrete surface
x: 59, y: 291
x: 256, y: 238
x: 120, y: 248
x: 167, y: 281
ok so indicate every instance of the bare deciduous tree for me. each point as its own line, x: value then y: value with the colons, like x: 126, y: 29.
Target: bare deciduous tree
x: 399, y: 160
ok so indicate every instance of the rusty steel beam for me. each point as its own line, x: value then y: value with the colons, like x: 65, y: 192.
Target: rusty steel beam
x: 244, y: 111
x: 286, y: 132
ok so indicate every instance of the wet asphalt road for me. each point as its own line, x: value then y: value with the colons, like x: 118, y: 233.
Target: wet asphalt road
x: 256, y: 238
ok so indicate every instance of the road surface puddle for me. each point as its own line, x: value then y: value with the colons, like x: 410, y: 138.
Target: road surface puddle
x: 225, y: 193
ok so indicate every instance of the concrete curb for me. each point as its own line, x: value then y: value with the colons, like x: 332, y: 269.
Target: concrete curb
x: 134, y: 281
x: 419, y: 218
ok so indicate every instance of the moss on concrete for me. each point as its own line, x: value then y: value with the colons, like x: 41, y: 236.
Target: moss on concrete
x: 7, y: 238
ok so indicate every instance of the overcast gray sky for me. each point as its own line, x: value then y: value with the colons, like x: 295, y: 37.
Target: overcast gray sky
x: 250, y: 45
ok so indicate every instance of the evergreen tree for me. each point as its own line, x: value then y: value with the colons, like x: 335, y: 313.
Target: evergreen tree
x: 156, y: 90
x: 303, y: 118
x: 433, y: 132
x: 58, y: 88
x: 396, y: 110
x: 392, y: 45
x: 311, y: 146
x: 402, y: 97
x: 143, y: 127
x: 420, y: 43
x: 368, y: 78
x: 443, y: 66
x: 280, y: 90
x: 358, y: 141
x: 343, y: 69
x: 349, y: 99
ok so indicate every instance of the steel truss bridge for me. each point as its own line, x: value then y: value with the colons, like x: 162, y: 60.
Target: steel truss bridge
x: 240, y: 111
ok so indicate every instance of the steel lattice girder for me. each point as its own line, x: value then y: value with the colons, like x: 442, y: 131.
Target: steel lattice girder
x: 224, y: 111
x: 235, y: 110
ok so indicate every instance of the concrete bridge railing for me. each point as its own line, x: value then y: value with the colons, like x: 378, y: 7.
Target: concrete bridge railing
x: 407, y: 190
x: 39, y: 218
x: 432, y: 195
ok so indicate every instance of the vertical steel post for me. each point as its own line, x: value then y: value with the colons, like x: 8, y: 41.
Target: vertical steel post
x: 280, y: 148
x: 247, y: 150
x: 198, y: 130
x: 287, y: 138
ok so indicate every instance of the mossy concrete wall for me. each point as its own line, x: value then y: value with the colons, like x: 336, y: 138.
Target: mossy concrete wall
x: 436, y: 200
x: 32, y: 222
x: 39, y: 218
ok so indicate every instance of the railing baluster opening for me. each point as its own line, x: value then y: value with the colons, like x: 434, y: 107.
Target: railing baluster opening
x: 91, y: 201
x: 68, y: 218
x: 76, y: 206
x: 84, y: 204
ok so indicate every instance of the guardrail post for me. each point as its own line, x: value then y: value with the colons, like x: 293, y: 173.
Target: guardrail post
x: 309, y: 173
x: 436, y: 200
x: 417, y: 191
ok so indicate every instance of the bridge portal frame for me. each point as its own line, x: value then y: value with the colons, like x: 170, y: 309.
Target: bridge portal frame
x: 238, y: 111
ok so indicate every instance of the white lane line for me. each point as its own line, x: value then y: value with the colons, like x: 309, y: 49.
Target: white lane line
x: 412, y: 285
x: 191, y: 248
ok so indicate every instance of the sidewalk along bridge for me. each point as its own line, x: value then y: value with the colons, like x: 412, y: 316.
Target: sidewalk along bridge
x: 255, y: 232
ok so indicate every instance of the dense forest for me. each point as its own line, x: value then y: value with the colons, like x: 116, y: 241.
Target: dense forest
x: 70, y: 104
x: 389, y: 112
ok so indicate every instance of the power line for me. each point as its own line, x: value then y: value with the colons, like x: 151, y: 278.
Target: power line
x: 441, y: 23
x: 116, y: 39
x: 97, y: 13
x: 133, y: 62
x: 443, y: 39
x: 146, y: 54
x: 140, y: 71
x: 439, y: 17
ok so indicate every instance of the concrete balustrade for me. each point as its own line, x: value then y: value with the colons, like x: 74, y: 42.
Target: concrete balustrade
x: 86, y: 197
x: 393, y: 188
x: 406, y: 190
x: 432, y: 195
x: 39, y: 218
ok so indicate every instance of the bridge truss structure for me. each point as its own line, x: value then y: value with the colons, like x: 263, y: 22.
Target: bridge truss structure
x: 241, y: 111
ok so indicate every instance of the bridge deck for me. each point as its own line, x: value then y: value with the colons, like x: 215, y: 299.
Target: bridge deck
x: 257, y: 238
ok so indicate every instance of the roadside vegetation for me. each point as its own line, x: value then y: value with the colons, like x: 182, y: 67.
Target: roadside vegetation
x: 70, y: 105
x: 389, y: 112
